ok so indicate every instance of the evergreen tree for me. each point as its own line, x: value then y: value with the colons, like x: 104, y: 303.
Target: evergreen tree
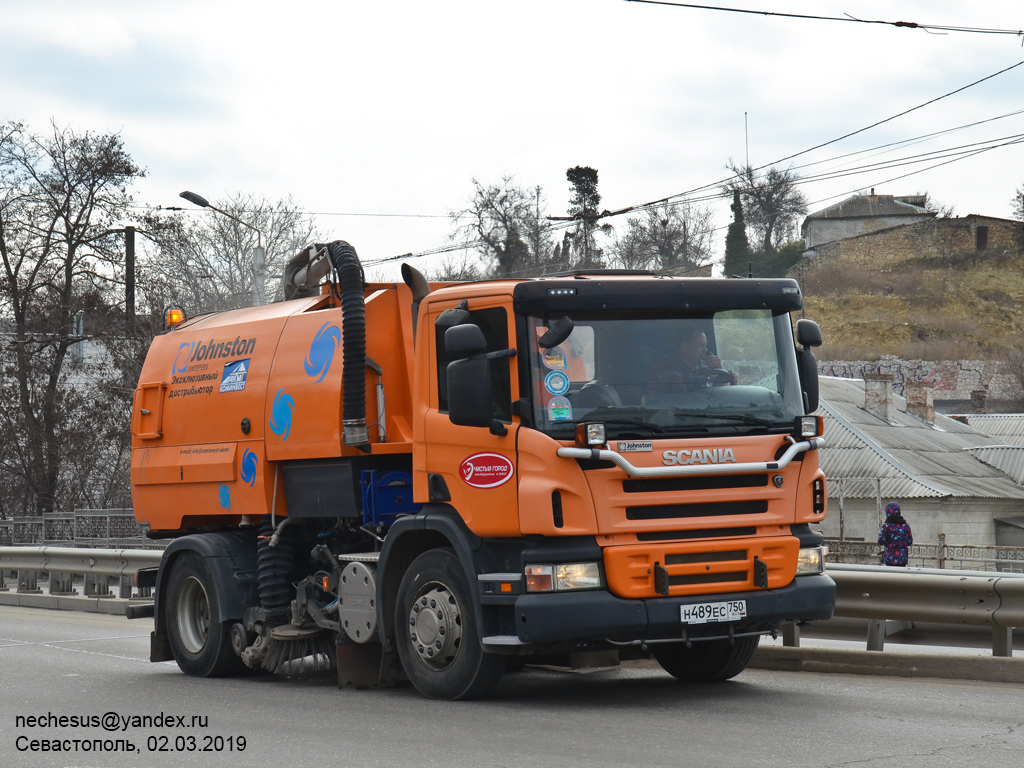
x: 737, y: 248
x: 583, y: 207
x: 778, y: 263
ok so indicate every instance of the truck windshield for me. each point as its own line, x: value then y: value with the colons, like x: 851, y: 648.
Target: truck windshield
x: 647, y: 376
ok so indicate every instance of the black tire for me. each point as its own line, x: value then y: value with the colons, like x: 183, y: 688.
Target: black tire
x: 201, y: 646
x: 436, y: 633
x: 706, y: 662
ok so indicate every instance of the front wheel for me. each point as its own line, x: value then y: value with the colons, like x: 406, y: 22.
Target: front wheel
x: 708, y: 661
x: 201, y: 645
x: 436, y: 633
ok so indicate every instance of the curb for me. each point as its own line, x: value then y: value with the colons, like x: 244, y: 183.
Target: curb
x: 878, y: 663
x: 113, y: 606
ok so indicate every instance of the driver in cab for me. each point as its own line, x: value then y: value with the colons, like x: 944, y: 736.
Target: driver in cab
x: 690, y: 364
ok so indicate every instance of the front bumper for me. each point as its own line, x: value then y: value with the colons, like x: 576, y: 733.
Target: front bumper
x: 598, y: 615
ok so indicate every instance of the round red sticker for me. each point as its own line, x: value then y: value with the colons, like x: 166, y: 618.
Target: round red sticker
x: 486, y: 470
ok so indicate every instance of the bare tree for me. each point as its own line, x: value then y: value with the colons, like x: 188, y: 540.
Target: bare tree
x: 941, y: 210
x: 674, y: 238
x: 205, y: 261
x: 508, y: 223
x: 1018, y: 204
x: 772, y: 203
x: 63, y: 196
x: 456, y: 268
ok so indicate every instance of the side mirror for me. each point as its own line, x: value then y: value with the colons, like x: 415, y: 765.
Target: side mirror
x: 556, y: 333
x: 807, y: 367
x: 469, y: 376
x: 465, y: 340
x: 455, y: 316
x: 808, y: 334
x: 469, y: 392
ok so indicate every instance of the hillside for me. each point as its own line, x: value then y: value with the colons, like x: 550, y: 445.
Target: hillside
x: 969, y: 307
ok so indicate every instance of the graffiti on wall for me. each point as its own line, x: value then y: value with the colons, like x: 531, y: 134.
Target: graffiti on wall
x: 951, y: 379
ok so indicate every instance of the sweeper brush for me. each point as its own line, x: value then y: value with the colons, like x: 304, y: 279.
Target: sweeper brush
x: 300, y: 651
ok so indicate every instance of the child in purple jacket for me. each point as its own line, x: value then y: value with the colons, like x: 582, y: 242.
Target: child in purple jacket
x: 895, y: 537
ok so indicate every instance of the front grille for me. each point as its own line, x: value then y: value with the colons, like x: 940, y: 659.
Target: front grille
x: 703, y: 533
x: 707, y: 578
x: 706, y: 483
x: 706, y: 557
x: 683, y: 511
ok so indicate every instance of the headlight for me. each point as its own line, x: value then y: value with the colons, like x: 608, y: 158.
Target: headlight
x: 562, y: 577
x: 811, y: 560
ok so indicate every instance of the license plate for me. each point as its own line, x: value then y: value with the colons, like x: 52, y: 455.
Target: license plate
x: 706, y: 613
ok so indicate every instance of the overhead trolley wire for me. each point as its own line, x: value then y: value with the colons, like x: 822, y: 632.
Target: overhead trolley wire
x: 848, y: 19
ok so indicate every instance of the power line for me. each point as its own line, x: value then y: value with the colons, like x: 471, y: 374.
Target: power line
x: 298, y: 211
x: 665, y: 200
x: 847, y: 19
x: 907, y: 142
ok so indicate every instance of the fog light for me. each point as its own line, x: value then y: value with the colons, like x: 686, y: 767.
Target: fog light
x: 589, y: 435
x: 810, y: 561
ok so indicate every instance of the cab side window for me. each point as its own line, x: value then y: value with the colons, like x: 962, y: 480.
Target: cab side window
x: 494, y: 324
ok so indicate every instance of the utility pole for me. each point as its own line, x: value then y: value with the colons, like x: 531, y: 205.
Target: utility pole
x: 129, y: 274
x: 746, y: 138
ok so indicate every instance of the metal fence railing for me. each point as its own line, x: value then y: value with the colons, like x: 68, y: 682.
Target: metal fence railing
x: 941, y: 555
x: 102, y: 528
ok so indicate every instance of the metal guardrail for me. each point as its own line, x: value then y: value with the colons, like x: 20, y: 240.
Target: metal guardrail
x: 63, y: 563
x: 885, y: 595
x: 106, y: 562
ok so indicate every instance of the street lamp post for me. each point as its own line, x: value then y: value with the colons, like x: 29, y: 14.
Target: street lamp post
x: 259, y: 256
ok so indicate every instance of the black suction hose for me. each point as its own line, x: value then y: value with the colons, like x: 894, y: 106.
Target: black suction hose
x: 353, y: 334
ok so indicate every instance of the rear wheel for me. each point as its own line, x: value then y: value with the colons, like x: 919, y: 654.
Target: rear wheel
x: 201, y: 645
x: 436, y: 634
x: 706, y: 662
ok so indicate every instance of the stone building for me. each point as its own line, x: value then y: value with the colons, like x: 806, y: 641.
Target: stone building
x: 929, y: 238
x: 862, y: 214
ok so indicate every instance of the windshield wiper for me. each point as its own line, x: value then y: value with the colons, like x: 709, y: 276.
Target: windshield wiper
x: 728, y: 417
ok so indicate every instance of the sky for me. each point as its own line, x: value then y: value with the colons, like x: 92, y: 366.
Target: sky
x: 378, y: 116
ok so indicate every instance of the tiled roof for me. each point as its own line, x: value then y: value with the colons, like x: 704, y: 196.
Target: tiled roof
x: 908, y: 458
x: 1008, y: 427
x: 867, y: 206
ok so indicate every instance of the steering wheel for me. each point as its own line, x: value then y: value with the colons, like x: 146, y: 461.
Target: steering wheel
x: 597, y: 394
x: 718, y: 377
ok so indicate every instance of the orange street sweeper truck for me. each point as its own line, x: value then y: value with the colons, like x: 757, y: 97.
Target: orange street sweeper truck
x: 433, y: 482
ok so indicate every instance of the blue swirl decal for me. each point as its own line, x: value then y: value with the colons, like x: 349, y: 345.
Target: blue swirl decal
x: 179, y: 365
x: 281, y: 414
x: 321, y: 351
x: 225, y: 496
x: 249, y: 464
